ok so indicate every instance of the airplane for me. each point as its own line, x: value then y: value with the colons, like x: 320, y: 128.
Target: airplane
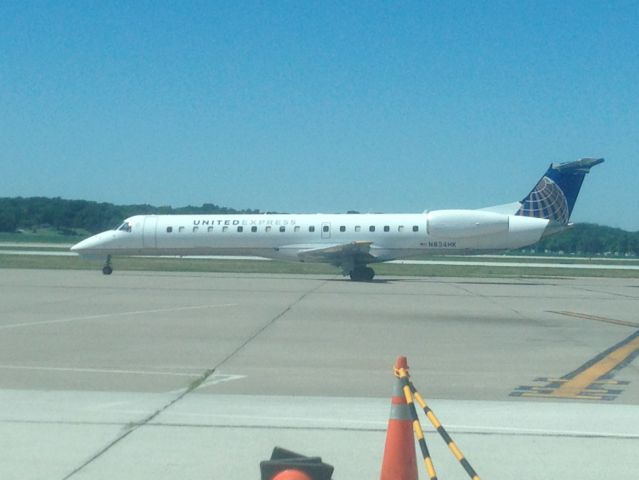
x: 352, y: 241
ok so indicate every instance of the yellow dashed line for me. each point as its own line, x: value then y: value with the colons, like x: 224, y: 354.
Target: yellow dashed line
x: 585, y: 316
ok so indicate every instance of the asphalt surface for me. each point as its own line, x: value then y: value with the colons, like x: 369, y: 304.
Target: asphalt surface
x: 189, y: 375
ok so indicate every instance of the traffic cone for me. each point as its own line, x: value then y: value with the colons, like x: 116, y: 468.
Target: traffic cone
x: 291, y: 475
x: 287, y: 465
x: 400, y: 462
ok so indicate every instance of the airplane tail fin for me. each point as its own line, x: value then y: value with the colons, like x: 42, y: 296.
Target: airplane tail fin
x: 555, y: 194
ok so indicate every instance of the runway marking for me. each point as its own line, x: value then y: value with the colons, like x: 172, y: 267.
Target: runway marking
x: 112, y: 315
x: 214, y: 379
x: 363, y: 426
x: 98, y: 370
x: 602, y: 367
x: 591, y: 380
x: 38, y: 253
x: 625, y: 323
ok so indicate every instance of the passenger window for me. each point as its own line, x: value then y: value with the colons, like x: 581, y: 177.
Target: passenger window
x: 169, y: 229
x: 400, y: 228
x: 240, y: 229
x: 253, y: 229
x: 225, y: 229
x: 297, y: 228
x: 181, y: 229
x: 342, y: 228
x: 386, y: 228
x: 210, y: 229
x: 268, y: 229
x: 282, y: 229
x: 358, y: 228
x: 195, y: 229
x: 371, y: 228
x: 311, y: 229
x: 415, y: 228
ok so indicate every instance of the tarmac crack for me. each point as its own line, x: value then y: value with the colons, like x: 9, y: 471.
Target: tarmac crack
x: 268, y: 324
x: 492, y: 301
x: 604, y: 293
x: 134, y: 426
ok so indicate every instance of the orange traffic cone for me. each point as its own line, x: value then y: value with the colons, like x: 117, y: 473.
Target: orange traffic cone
x: 399, y: 462
x: 291, y: 475
x: 287, y: 465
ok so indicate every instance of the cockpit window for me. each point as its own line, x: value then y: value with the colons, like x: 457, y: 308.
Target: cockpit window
x: 125, y: 227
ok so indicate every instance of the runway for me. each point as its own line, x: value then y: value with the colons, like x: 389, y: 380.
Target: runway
x: 191, y: 375
x: 609, y: 264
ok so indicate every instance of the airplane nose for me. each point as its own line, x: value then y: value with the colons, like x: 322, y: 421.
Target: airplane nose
x: 89, y: 244
x: 81, y: 246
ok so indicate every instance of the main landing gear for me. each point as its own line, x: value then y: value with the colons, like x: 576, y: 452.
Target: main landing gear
x: 362, y: 274
x: 107, y: 269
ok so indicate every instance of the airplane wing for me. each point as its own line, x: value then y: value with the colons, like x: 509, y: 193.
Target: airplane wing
x: 357, y: 252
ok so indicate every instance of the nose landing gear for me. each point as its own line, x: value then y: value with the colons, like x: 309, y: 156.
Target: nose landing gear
x: 107, y: 269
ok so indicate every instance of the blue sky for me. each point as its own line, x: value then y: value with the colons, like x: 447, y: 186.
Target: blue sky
x: 319, y: 106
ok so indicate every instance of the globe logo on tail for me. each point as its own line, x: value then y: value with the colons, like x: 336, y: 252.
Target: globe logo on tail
x: 546, y: 201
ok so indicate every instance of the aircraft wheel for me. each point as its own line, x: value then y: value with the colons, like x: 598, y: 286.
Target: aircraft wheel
x: 369, y: 273
x: 362, y: 274
x: 107, y: 270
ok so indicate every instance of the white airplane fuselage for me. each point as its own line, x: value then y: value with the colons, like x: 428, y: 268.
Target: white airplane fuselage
x: 352, y: 241
x: 289, y: 236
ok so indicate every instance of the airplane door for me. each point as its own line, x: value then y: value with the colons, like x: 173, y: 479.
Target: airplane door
x: 326, y: 230
x: 149, y: 236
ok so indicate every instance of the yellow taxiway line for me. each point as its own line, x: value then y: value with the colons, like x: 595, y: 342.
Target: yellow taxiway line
x: 579, y: 382
x: 588, y: 382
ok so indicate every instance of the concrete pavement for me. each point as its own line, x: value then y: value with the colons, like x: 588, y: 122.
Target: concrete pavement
x: 100, y: 376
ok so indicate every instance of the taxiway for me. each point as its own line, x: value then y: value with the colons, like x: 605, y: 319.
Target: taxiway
x: 190, y: 375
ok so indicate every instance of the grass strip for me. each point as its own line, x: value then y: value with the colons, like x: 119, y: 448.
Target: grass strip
x: 256, y: 266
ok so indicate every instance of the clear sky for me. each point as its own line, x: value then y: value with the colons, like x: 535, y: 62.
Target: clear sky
x: 319, y: 106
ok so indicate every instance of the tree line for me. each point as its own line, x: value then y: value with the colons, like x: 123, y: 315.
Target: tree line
x: 70, y: 216
x: 590, y: 239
